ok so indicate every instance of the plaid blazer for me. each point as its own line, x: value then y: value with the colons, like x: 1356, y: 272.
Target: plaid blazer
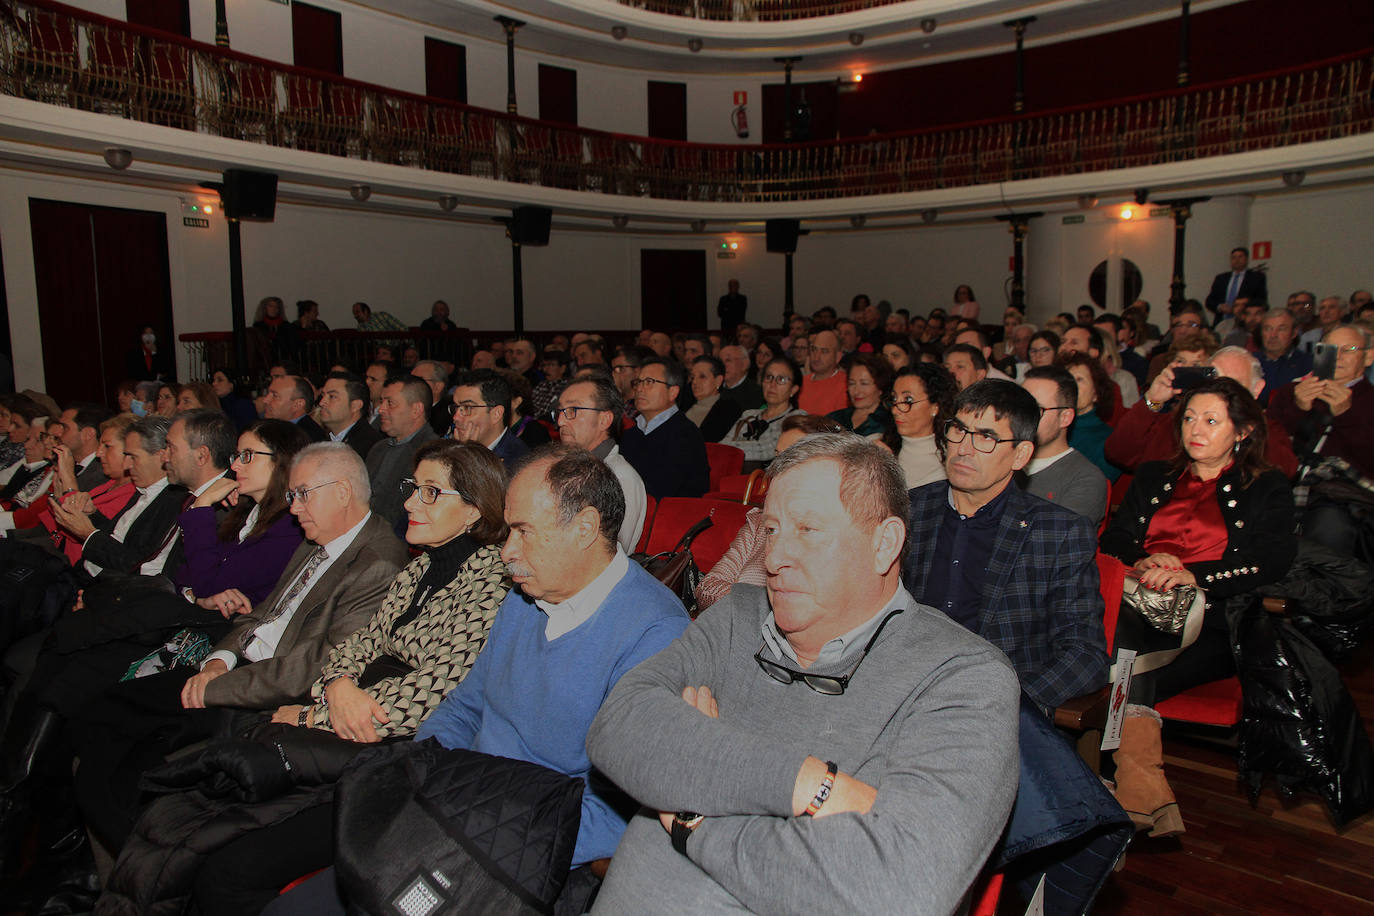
x: 1041, y: 601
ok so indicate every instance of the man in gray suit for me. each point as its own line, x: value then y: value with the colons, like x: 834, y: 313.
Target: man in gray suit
x: 829, y: 692
x: 1057, y: 472
x: 404, y: 413
x: 333, y: 585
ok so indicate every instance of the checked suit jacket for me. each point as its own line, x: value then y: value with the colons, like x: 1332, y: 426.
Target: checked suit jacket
x: 1041, y: 601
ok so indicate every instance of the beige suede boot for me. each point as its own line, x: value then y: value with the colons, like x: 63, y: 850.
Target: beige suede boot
x: 1140, y: 784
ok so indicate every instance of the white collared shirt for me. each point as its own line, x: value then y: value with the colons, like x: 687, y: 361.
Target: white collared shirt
x: 126, y: 521
x: 837, y: 648
x: 648, y: 426
x: 157, y: 564
x: 343, y: 434
x: 265, y: 638
x: 572, y: 612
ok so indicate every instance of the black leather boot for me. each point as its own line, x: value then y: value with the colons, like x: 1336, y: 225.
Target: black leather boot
x: 31, y: 737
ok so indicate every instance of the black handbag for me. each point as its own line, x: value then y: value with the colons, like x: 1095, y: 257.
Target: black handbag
x: 677, y: 568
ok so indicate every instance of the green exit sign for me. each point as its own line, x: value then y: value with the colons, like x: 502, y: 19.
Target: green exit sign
x: 1073, y: 218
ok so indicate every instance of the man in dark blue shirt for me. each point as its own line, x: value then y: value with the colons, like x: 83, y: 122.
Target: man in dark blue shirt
x: 1013, y: 568
x: 1280, y: 359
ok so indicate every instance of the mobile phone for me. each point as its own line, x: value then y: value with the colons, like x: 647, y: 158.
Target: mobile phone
x: 1188, y: 377
x: 1324, y: 361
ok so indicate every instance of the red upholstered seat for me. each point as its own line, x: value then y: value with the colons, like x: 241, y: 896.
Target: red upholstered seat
x: 1216, y: 703
x: 675, y: 515
x: 725, y: 461
x: 650, y: 506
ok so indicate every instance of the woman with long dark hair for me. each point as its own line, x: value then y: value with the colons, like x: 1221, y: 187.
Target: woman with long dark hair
x: 1217, y: 517
x: 922, y: 400
x: 1093, y: 413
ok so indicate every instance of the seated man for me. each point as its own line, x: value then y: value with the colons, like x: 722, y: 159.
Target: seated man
x: 1057, y: 472
x: 663, y: 446
x: 482, y: 413
x: 580, y: 616
x: 830, y: 691
x: 1146, y: 432
x: 404, y: 413
x: 966, y: 363
x: 343, y: 407
x: 1011, y: 567
x: 332, y: 587
x: 290, y: 398
x: 589, y: 414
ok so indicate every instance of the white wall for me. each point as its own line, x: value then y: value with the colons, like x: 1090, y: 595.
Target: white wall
x: 591, y: 279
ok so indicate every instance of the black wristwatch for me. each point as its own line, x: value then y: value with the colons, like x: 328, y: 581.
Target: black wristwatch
x: 684, y: 822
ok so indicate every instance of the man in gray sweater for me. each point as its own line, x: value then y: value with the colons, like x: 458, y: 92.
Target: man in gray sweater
x: 822, y: 745
x: 1056, y: 472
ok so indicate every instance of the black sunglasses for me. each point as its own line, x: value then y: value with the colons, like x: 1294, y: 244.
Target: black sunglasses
x: 821, y: 683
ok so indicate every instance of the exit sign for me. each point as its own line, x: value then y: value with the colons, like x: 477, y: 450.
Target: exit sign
x: 195, y: 222
x: 1073, y: 218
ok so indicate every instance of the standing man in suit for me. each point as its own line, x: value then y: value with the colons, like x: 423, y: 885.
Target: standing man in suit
x: 404, y: 413
x: 333, y: 585
x: 481, y: 414
x: 731, y: 309
x: 290, y: 398
x: 1236, y: 283
x: 1011, y: 567
x: 343, y: 400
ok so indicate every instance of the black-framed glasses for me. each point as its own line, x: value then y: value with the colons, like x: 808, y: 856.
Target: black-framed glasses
x: 984, y: 442
x: 429, y: 494
x: 302, y: 494
x: 648, y: 380
x: 905, y: 404
x: 571, y: 412
x: 468, y: 408
x: 245, y: 455
x: 830, y: 685
x: 776, y: 380
x: 1045, y: 410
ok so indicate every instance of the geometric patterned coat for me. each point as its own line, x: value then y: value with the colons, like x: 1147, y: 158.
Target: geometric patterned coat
x: 440, y: 643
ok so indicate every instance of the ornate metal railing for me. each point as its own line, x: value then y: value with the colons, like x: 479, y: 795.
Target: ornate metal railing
x: 63, y: 56
x: 756, y: 10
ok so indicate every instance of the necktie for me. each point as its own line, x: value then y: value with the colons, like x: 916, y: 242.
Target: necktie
x: 1233, y: 289
x: 287, y: 600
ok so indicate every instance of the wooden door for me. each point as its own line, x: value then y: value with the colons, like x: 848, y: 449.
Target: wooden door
x: 102, y: 275
x: 672, y: 289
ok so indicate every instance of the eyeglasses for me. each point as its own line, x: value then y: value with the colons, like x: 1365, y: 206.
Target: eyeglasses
x: 984, y: 442
x: 1045, y: 410
x: 467, y: 408
x: 245, y: 456
x: 303, y: 493
x: 571, y: 412
x: 827, y: 684
x: 1349, y: 349
x: 429, y: 495
x: 776, y: 379
x: 905, y: 404
x: 642, y: 381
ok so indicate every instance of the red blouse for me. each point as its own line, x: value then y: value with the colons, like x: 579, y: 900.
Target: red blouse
x: 1189, y: 525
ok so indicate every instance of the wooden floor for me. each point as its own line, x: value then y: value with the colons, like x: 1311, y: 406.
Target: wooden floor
x: 1273, y: 857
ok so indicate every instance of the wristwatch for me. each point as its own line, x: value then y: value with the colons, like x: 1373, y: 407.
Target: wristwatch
x: 684, y: 822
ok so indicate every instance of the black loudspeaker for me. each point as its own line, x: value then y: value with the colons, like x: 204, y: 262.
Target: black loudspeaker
x: 782, y: 235
x: 530, y: 225
x: 249, y: 195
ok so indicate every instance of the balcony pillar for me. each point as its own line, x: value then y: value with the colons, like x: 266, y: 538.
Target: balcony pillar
x: 221, y: 25
x: 1018, y: 26
x: 510, y: 25
x: 1018, y: 224
x: 787, y: 63
x: 1182, y: 209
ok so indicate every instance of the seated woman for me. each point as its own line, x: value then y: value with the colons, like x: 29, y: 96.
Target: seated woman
x: 166, y: 403
x: 922, y: 400
x: 743, y: 560
x: 1217, y: 517
x: 1092, y: 416
x: 523, y: 424
x: 713, y: 414
x: 239, y: 408
x: 383, y: 681
x: 756, y: 431
x: 195, y: 395
x: 870, y: 380
x: 767, y: 350
x: 899, y: 352
x: 1043, y: 347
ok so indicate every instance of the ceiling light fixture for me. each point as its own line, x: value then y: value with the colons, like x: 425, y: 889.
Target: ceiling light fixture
x: 927, y: 25
x: 620, y: 221
x: 856, y: 38
x: 360, y: 192
x: 117, y: 157
x: 694, y: 45
x: 447, y: 202
x: 1294, y: 177
x: 618, y: 32
x: 930, y: 215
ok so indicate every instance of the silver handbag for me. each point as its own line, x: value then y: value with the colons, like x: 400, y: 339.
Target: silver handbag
x: 1166, y: 611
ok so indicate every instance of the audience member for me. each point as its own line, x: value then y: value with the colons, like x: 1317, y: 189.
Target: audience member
x: 438, y: 319
x: 1238, y: 282
x: 664, y: 446
x: 521, y: 421
x: 712, y: 413
x: 290, y: 398
x: 1015, y: 569
x: 404, y: 413
x: 1056, y: 472
x: 1094, y: 411
x: 1042, y: 348
x: 1332, y: 312
x: 554, y: 364
x: 369, y: 320
x: 343, y: 405
x: 911, y: 713
x: 898, y: 352
x: 756, y: 432
x: 481, y: 414
x: 1280, y: 358
x: 739, y: 386
x: 589, y: 416
x: 966, y: 363
x: 922, y: 400
x: 435, y: 375
x: 375, y: 376
x: 974, y: 337
x: 731, y: 308
x: 870, y: 383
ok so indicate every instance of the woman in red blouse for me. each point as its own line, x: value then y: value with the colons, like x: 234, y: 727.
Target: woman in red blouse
x: 1219, y: 517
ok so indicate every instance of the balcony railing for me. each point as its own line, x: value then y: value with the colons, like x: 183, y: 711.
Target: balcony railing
x: 756, y: 10
x: 63, y: 56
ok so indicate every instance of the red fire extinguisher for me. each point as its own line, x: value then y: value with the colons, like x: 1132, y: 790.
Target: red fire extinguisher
x: 740, y: 118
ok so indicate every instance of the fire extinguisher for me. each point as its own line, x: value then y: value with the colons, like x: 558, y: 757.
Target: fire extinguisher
x: 740, y: 118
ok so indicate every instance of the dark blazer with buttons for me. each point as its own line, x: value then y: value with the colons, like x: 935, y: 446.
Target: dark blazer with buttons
x: 1042, y: 603
x: 1253, y: 285
x: 1260, y: 543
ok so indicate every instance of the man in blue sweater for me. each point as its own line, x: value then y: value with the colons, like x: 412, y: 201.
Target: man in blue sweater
x: 580, y: 616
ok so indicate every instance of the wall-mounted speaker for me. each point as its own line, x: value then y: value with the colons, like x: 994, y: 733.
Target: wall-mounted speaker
x: 530, y: 225
x: 249, y: 195
x: 782, y: 235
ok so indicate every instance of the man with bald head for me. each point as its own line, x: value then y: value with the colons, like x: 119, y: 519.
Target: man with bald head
x: 332, y: 586
x: 825, y: 389
x: 1146, y: 431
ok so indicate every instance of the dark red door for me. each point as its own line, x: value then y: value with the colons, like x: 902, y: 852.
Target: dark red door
x: 672, y: 289
x: 101, y: 276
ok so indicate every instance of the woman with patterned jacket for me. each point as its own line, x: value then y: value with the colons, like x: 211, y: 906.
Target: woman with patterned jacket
x: 385, y: 679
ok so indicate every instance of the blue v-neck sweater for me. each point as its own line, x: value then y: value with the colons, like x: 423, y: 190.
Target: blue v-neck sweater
x: 533, y: 699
